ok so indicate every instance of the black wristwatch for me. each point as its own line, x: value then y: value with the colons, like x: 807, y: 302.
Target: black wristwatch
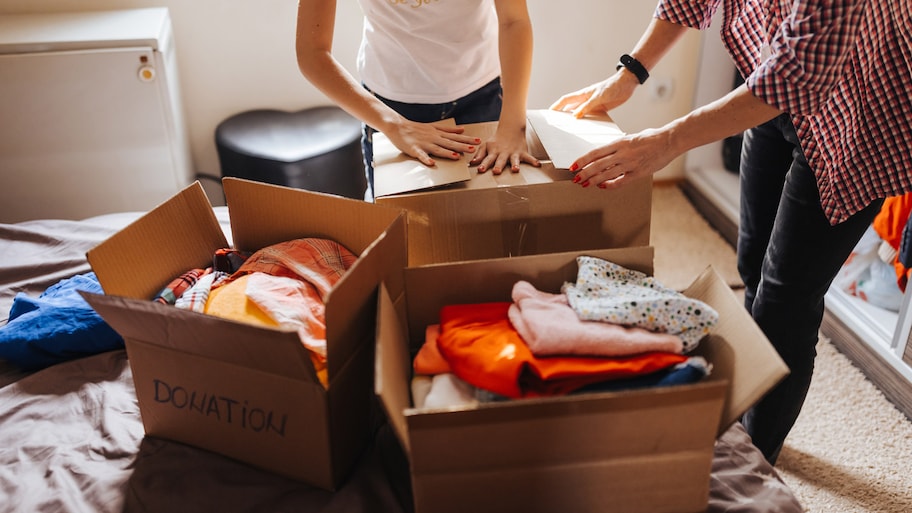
x: 634, y: 66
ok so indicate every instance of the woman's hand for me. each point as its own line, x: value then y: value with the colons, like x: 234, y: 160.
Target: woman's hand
x: 599, y: 98
x: 508, y: 147
x: 629, y: 158
x: 424, y: 141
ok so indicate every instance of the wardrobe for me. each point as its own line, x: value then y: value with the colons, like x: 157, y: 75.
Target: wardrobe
x: 874, y: 338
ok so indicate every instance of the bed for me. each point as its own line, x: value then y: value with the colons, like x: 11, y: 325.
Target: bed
x: 71, y: 437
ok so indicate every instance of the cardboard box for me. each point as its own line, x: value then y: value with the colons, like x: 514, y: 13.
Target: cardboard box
x: 456, y: 214
x: 244, y: 391
x: 646, y: 450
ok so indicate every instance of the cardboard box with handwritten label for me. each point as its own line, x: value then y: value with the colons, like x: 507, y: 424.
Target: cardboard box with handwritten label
x: 244, y: 391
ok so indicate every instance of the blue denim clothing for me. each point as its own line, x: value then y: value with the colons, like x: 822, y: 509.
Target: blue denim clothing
x: 479, y: 106
x: 57, y: 326
x: 788, y: 255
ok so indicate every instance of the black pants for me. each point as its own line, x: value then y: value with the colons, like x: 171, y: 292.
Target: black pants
x: 788, y: 254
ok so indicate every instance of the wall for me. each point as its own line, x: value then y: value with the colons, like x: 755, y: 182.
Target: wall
x: 236, y: 55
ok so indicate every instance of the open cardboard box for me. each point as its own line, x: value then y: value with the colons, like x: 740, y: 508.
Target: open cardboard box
x: 244, y: 391
x: 456, y: 214
x: 646, y: 450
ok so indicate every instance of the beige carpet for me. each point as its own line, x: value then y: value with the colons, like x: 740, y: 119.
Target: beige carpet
x: 851, y: 449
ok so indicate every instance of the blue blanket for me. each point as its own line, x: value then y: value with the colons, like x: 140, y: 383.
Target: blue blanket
x: 56, y: 326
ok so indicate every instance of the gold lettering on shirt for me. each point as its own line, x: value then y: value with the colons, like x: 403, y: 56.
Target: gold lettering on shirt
x: 412, y: 3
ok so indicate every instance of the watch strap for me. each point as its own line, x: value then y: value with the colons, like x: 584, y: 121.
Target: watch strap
x: 634, y: 66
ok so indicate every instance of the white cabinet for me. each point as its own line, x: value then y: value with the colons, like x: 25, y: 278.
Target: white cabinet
x: 875, y: 339
x: 90, y: 114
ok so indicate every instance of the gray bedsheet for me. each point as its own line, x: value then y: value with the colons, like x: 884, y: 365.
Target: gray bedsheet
x: 71, y: 438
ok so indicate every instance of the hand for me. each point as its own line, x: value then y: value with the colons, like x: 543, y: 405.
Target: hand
x: 599, y: 98
x: 424, y: 141
x: 630, y: 158
x: 507, y: 147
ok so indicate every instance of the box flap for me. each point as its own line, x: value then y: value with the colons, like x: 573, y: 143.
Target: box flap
x: 351, y: 307
x: 179, y: 234
x: 566, y: 138
x: 757, y: 367
x: 268, y: 350
x: 396, y: 172
x: 295, y: 213
x: 377, y: 234
x: 393, y: 366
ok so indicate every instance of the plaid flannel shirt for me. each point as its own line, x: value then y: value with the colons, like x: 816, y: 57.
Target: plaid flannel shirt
x: 842, y: 69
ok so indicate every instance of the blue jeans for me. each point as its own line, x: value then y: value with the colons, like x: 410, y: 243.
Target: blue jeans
x: 788, y: 255
x: 479, y: 106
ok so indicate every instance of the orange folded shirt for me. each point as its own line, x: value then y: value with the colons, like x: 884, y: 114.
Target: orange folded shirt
x: 481, y: 347
x: 428, y: 361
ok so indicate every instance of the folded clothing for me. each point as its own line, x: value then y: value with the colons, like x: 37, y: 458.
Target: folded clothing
x: 607, y: 292
x: 56, y: 326
x: 550, y: 327
x: 483, y: 349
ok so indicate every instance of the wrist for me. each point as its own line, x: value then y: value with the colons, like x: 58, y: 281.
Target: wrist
x: 633, y: 67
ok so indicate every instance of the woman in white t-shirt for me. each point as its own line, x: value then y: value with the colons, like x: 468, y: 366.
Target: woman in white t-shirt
x: 422, y: 61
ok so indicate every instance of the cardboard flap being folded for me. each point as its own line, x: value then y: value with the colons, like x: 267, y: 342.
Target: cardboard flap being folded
x: 396, y: 172
x: 757, y: 367
x: 567, y: 138
x: 181, y: 230
x: 268, y: 350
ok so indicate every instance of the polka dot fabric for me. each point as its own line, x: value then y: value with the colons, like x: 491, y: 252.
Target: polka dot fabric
x: 607, y: 292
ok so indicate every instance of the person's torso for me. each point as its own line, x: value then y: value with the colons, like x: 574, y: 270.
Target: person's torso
x: 428, y: 51
x: 850, y: 139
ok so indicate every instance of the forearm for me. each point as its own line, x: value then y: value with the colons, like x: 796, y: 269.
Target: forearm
x: 515, y: 47
x: 313, y: 48
x: 327, y: 75
x: 656, y: 41
x: 734, y: 113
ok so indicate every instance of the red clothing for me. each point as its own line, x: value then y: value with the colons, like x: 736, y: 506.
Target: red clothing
x: 890, y: 224
x: 843, y: 70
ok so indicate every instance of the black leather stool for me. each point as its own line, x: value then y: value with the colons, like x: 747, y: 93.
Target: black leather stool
x: 318, y: 149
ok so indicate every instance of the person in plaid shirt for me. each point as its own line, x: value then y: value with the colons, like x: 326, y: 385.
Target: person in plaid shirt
x: 828, y: 119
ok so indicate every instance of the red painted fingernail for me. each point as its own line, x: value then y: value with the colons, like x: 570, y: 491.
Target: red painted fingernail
x: 602, y: 185
x: 577, y: 178
x: 481, y: 169
x: 455, y: 155
x: 586, y: 183
x: 471, y: 148
x: 477, y: 140
x: 574, y: 167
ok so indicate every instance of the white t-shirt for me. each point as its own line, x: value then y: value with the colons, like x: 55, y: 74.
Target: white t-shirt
x: 428, y: 51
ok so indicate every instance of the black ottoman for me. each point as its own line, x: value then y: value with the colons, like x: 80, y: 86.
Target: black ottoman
x: 318, y: 149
